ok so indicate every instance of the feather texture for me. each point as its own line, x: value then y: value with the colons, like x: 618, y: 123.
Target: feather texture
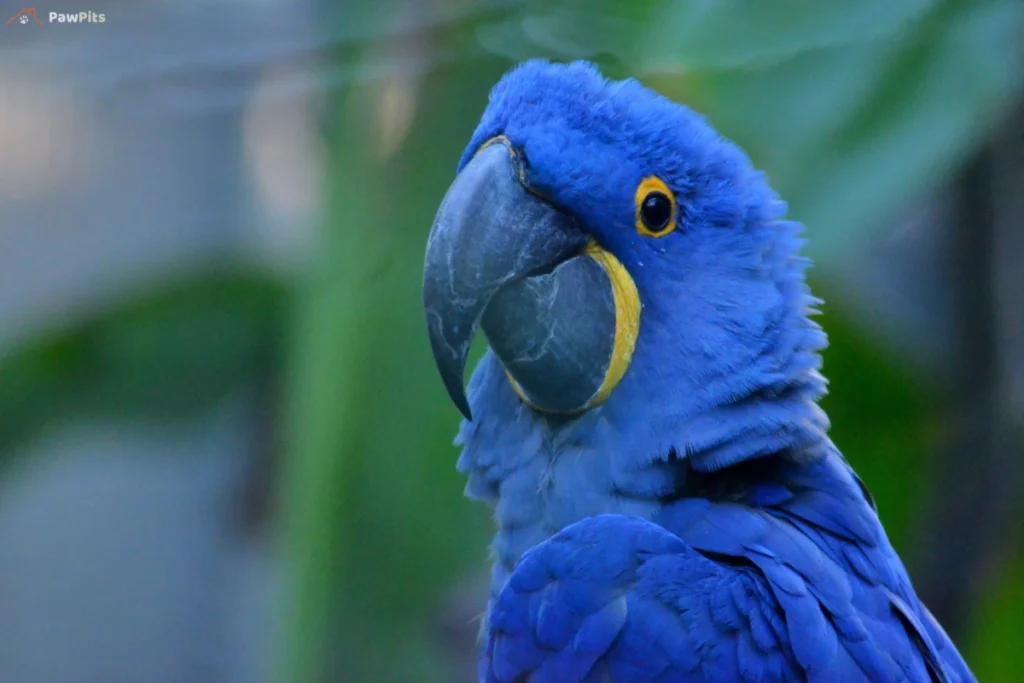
x: 753, y: 585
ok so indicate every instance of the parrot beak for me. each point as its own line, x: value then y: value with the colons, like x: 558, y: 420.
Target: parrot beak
x: 561, y: 314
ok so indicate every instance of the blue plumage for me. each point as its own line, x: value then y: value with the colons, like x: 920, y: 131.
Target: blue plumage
x: 699, y: 525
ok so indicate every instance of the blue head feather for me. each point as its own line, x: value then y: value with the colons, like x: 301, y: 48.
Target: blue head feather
x: 726, y: 363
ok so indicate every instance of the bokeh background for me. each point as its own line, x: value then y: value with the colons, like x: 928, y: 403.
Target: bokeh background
x: 224, y: 452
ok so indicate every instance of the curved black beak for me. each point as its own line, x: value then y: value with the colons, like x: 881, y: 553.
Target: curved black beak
x: 502, y: 258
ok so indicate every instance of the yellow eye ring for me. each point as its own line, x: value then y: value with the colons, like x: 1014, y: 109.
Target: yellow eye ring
x: 656, y: 208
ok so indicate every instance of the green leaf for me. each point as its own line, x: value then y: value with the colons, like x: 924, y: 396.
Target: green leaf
x: 994, y: 646
x: 171, y: 354
x: 852, y: 135
x: 655, y: 36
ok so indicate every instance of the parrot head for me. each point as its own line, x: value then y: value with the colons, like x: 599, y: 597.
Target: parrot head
x: 637, y: 285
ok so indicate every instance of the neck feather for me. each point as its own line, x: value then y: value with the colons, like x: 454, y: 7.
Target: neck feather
x: 633, y: 454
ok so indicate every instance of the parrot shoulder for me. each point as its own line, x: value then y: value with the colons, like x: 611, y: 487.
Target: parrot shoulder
x: 771, y: 579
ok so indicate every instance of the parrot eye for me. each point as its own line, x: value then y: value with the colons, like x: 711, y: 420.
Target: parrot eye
x: 655, y: 208
x: 656, y: 211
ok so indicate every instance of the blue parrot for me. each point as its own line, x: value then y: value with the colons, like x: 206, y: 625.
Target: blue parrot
x: 645, y: 423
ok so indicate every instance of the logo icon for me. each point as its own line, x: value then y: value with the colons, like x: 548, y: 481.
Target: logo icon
x: 23, y: 15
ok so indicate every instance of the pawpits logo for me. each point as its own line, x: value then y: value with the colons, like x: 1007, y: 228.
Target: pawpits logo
x: 27, y: 15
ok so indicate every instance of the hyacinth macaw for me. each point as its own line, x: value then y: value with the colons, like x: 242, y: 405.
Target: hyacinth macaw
x: 645, y: 420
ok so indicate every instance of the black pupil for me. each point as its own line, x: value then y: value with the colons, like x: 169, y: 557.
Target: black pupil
x: 656, y: 211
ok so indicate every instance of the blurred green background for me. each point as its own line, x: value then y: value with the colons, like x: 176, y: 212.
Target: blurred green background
x: 226, y: 454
